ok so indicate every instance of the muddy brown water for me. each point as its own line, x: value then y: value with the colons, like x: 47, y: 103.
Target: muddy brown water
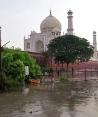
x: 52, y: 100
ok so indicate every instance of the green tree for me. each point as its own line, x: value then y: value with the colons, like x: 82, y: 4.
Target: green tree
x: 68, y: 48
x: 14, y: 62
x: 10, y: 56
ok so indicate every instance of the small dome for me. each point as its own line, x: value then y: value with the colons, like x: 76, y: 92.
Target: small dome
x: 50, y: 23
x: 94, y: 32
x: 70, y: 12
x: 33, y: 32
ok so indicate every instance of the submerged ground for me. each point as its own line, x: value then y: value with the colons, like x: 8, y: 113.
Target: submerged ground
x: 52, y: 100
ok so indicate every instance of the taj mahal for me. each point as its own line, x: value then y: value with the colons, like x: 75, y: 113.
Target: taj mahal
x: 51, y: 28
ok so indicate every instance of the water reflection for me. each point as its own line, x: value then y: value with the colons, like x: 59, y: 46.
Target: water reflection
x: 52, y: 100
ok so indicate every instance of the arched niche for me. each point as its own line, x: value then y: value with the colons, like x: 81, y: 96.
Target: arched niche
x: 39, y: 46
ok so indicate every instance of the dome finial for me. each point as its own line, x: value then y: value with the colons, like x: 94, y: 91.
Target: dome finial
x: 50, y: 12
x: 49, y: 23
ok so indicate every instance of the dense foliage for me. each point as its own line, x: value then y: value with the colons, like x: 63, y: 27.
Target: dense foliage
x: 14, y: 62
x: 69, y: 48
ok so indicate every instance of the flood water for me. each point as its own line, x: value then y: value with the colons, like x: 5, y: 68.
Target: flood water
x: 52, y: 100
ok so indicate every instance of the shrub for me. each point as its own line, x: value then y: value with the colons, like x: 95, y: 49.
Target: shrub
x: 64, y: 79
x: 14, y: 62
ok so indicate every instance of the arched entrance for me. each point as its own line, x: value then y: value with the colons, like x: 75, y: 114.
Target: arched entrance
x: 39, y: 46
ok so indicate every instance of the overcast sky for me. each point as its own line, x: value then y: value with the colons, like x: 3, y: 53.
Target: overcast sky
x: 19, y: 17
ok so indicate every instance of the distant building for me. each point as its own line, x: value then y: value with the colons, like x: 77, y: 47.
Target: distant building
x: 50, y: 28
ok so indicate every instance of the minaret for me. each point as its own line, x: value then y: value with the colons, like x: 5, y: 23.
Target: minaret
x: 70, y: 23
x: 95, y: 44
x: 94, y: 41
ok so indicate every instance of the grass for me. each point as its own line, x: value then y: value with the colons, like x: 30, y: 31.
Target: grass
x: 65, y: 79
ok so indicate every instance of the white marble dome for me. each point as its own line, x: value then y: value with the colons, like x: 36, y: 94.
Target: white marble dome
x: 50, y: 23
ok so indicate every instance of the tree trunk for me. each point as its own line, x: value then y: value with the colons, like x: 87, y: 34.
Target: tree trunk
x: 67, y: 67
x: 62, y: 65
